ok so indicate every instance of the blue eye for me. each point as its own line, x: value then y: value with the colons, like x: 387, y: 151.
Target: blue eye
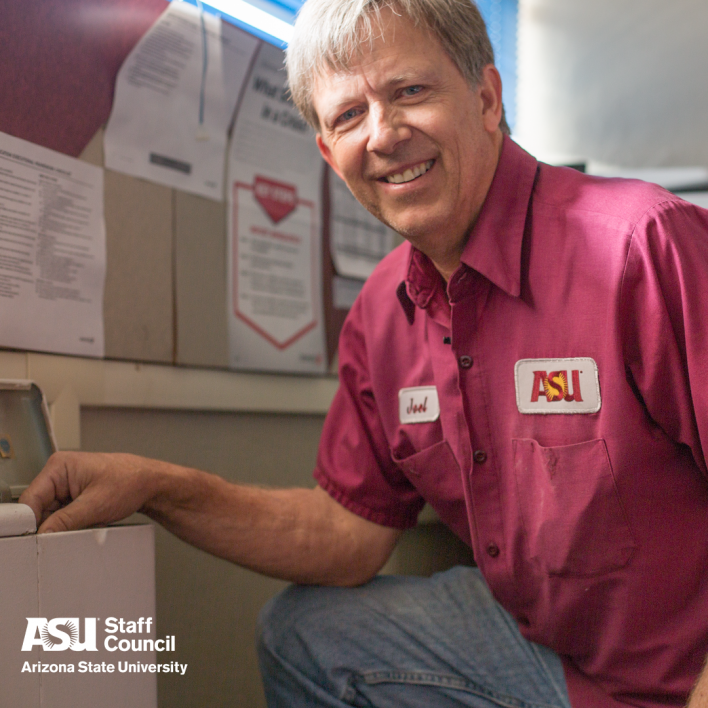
x: 412, y: 90
x: 348, y: 115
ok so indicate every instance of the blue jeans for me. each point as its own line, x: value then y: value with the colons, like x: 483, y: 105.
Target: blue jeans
x: 403, y: 642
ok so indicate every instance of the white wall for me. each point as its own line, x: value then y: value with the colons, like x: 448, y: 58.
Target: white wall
x: 618, y: 81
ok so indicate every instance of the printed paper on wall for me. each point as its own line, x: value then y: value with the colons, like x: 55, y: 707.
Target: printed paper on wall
x: 274, y: 298
x: 175, y: 97
x: 52, y: 251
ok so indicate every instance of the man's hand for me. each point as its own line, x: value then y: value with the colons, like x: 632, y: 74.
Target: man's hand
x: 301, y: 535
x: 77, y: 489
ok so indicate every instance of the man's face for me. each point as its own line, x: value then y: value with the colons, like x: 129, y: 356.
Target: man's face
x: 415, y: 143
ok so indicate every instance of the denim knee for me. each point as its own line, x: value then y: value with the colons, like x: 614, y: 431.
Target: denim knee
x: 271, y: 616
x: 283, y: 620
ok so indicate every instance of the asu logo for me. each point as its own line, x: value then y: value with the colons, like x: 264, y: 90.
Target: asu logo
x: 554, y: 386
x: 544, y: 387
x: 59, y: 634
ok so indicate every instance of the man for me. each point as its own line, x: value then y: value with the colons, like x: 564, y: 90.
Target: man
x: 530, y: 363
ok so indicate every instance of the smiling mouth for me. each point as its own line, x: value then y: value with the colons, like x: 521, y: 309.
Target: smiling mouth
x: 410, y: 174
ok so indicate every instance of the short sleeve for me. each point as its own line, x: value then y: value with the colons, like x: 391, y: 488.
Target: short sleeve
x: 664, y: 309
x: 354, y: 462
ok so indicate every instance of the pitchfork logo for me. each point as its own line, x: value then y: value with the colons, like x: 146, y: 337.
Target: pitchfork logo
x: 554, y: 386
x: 59, y: 634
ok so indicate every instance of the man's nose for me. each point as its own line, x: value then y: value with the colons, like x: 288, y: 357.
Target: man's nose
x: 387, y: 129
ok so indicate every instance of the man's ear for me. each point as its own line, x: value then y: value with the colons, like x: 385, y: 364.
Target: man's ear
x: 327, y: 154
x: 490, y: 91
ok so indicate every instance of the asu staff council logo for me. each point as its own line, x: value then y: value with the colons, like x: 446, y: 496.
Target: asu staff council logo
x: 546, y: 386
x: 68, y: 634
x: 63, y: 633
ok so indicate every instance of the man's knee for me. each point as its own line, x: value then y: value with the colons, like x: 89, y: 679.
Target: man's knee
x: 291, y: 621
x: 272, y: 618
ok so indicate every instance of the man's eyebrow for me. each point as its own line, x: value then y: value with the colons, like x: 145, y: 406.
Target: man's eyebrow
x: 396, y: 81
x: 406, y: 78
x: 412, y: 77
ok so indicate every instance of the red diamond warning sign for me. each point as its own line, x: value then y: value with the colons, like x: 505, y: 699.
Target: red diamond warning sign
x: 276, y: 198
x: 274, y: 271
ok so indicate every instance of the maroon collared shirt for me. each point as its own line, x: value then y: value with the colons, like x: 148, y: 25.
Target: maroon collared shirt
x: 568, y: 356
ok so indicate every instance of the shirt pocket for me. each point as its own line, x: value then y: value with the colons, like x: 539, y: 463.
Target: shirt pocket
x: 436, y: 475
x: 571, y: 511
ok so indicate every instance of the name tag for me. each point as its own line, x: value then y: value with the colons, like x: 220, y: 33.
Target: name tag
x: 419, y: 404
x: 557, y: 385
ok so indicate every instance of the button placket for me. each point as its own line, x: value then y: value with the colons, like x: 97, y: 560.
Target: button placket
x: 447, y: 378
x: 468, y: 332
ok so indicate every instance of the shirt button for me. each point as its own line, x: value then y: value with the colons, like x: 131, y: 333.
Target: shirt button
x: 480, y: 456
x: 493, y: 550
x: 465, y: 361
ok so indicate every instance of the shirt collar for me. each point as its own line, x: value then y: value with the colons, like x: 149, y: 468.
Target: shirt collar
x: 494, y: 246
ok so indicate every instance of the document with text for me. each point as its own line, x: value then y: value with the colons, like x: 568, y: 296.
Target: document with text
x: 358, y: 239
x: 275, y: 309
x: 52, y: 251
x: 174, y: 100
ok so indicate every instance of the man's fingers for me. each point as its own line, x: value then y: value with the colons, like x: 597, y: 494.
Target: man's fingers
x: 34, y: 502
x: 46, y: 492
x: 78, y: 514
x: 54, y: 490
x: 56, y: 521
x: 86, y: 489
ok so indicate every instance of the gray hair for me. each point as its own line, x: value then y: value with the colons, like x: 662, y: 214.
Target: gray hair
x: 329, y: 33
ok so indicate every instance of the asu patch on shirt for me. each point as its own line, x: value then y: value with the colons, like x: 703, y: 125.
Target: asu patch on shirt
x: 557, y: 385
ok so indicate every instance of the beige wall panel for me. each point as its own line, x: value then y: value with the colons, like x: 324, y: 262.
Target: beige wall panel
x: 13, y: 365
x: 210, y: 605
x: 138, y: 302
x: 133, y: 385
x: 623, y: 83
x: 200, y: 281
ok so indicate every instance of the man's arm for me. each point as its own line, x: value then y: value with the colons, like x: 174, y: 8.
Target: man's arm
x: 301, y: 535
x: 699, y: 694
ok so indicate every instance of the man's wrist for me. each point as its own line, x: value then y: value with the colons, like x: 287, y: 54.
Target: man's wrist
x: 169, y: 488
